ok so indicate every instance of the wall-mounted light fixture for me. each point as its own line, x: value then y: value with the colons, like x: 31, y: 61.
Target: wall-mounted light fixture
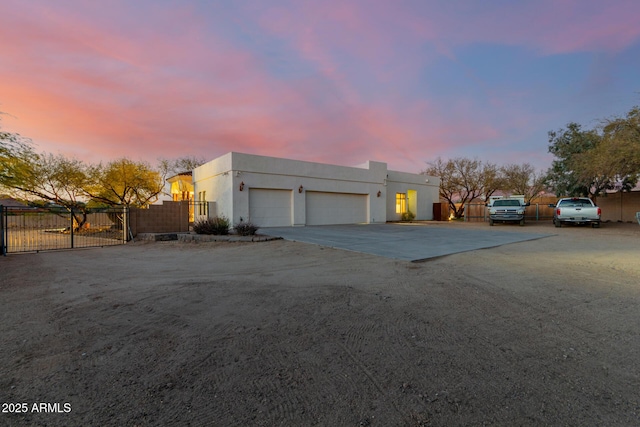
x: 379, y: 193
x: 426, y: 180
x: 237, y: 173
x: 300, y: 189
x: 242, y: 186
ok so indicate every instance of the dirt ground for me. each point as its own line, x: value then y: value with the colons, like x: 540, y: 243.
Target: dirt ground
x: 544, y: 332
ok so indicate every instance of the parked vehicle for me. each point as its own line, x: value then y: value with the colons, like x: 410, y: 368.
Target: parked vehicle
x: 576, y: 210
x: 508, y: 209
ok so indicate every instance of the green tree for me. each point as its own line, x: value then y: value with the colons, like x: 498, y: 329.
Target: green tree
x: 15, y: 152
x: 56, y: 179
x: 573, y: 172
x: 619, y: 153
x: 588, y: 162
x: 125, y: 182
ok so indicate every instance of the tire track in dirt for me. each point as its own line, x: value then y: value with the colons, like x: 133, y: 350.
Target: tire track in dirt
x: 362, y: 367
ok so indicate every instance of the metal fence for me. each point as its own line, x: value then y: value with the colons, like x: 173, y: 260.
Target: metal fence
x: 43, y: 229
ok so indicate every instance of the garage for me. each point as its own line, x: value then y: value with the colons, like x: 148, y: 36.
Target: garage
x: 324, y: 208
x: 269, y: 207
x: 274, y: 192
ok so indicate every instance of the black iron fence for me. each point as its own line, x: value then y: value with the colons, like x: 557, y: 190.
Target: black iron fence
x: 27, y: 229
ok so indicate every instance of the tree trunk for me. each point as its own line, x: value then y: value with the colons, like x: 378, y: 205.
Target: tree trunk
x: 79, y: 219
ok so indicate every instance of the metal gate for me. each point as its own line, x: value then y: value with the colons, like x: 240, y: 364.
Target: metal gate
x: 26, y: 229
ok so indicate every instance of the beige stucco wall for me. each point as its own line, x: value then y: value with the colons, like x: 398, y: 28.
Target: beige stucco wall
x: 426, y: 191
x: 222, y: 179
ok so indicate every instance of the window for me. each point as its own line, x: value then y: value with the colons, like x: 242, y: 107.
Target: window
x: 506, y: 203
x: 202, y: 199
x: 401, y: 203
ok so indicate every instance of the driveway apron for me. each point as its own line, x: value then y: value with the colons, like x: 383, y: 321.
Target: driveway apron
x: 401, y: 241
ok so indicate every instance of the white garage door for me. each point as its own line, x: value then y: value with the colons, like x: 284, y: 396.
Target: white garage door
x: 270, y: 208
x: 335, y: 208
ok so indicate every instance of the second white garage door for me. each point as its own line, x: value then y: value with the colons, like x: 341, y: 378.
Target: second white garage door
x: 270, y: 208
x: 335, y: 208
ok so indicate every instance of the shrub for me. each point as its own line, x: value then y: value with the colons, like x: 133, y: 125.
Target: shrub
x: 408, y: 216
x: 246, y: 228
x: 215, y: 225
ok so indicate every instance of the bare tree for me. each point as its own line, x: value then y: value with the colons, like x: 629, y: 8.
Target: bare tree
x: 169, y: 168
x: 523, y: 179
x: 463, y: 180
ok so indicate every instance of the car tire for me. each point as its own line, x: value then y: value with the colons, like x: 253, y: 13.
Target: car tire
x: 491, y: 222
x: 595, y: 225
x: 522, y: 222
x: 557, y: 223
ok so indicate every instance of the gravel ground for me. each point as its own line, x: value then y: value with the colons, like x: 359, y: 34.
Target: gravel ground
x: 542, y: 332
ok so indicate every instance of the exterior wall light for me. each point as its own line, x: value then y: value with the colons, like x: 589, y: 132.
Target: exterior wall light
x: 300, y: 189
x: 242, y: 186
x: 379, y: 193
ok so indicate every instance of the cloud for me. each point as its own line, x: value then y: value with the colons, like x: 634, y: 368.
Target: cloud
x: 339, y: 82
x: 548, y: 26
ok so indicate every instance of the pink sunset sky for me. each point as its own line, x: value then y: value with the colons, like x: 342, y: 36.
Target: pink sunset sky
x: 402, y: 82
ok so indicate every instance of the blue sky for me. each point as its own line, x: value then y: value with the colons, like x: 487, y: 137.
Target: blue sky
x: 402, y: 82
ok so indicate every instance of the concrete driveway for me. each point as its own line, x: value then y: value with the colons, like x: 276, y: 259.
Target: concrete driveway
x: 402, y: 241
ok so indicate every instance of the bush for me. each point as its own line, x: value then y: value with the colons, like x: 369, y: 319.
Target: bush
x: 215, y: 225
x: 246, y: 228
x: 408, y: 216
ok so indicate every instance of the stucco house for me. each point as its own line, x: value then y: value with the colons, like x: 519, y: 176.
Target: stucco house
x: 274, y: 192
x: 181, y: 187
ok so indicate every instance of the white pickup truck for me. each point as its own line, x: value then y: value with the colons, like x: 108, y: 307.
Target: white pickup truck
x: 509, y: 209
x: 576, y: 210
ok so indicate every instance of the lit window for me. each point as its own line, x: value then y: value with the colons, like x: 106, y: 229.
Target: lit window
x: 401, y: 203
x: 202, y: 199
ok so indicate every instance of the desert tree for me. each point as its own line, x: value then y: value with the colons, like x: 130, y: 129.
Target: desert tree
x: 589, y: 162
x: 53, y: 178
x: 492, y: 178
x: 463, y: 180
x: 618, y: 155
x: 523, y: 179
x: 125, y: 182
x: 15, y: 153
x: 573, y: 171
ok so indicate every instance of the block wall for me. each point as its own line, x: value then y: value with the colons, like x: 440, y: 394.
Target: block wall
x: 169, y: 217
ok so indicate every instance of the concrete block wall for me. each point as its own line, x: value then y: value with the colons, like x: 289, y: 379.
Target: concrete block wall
x: 169, y: 217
